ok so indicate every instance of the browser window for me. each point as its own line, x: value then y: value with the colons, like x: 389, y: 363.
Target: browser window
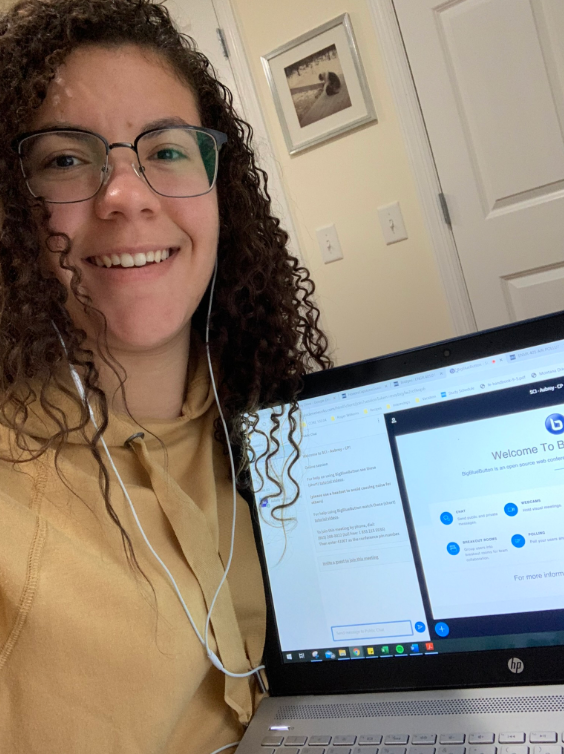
x: 428, y: 514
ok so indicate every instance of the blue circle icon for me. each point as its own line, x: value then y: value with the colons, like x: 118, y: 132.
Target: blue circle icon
x: 442, y: 629
x: 419, y: 627
x: 511, y: 509
x: 555, y: 424
x: 447, y: 518
x: 453, y: 548
x: 518, y: 540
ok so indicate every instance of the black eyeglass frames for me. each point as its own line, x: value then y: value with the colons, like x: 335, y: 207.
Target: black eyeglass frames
x: 67, y: 165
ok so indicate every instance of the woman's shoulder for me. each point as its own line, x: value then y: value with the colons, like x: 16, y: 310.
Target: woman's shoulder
x: 22, y: 538
x: 19, y: 472
x: 16, y: 485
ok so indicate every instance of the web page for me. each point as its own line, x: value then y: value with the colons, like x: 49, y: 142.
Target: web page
x: 490, y: 525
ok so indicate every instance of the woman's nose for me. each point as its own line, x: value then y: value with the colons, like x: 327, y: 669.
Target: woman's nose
x: 124, y: 189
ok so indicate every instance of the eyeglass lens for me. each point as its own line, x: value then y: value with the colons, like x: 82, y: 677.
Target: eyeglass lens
x: 68, y: 166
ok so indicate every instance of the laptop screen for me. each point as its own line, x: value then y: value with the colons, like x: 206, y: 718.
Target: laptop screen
x: 429, y: 516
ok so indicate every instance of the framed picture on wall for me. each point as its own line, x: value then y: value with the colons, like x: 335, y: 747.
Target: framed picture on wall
x: 318, y: 85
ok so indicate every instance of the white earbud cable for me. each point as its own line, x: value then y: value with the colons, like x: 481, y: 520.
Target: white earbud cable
x: 228, y: 746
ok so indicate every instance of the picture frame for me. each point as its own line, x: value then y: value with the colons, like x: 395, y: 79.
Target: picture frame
x: 318, y: 85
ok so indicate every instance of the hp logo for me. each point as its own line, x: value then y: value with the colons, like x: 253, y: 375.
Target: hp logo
x: 516, y: 665
x: 555, y: 424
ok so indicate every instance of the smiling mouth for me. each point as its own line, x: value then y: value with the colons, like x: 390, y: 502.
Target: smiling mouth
x: 140, y: 259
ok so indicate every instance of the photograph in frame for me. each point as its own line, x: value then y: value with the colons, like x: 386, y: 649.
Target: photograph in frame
x: 319, y: 86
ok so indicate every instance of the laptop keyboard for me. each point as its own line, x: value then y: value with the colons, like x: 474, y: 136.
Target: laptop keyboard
x: 512, y: 742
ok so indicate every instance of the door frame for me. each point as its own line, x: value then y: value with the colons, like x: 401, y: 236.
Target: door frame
x: 262, y: 143
x: 422, y: 164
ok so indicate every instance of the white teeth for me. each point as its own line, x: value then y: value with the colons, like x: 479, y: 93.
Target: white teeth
x: 128, y: 260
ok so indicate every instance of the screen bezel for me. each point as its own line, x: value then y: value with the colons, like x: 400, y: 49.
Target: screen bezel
x: 448, y: 670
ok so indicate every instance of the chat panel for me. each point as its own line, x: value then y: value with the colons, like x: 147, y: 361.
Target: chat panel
x: 349, y: 536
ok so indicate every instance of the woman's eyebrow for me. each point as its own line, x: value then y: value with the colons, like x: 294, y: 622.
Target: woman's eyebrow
x: 54, y: 124
x: 170, y: 122
x: 165, y: 123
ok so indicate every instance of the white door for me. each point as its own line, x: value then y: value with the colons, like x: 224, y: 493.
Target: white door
x: 198, y: 20
x: 490, y: 79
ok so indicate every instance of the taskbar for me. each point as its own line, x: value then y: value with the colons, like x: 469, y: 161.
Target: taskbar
x: 358, y: 652
x: 409, y: 649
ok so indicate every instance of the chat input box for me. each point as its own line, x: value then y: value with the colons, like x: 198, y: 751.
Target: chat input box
x: 373, y: 631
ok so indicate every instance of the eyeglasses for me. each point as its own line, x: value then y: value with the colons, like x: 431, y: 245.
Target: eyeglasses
x: 69, y: 165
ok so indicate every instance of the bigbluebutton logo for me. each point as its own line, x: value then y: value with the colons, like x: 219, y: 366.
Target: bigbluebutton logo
x: 555, y: 424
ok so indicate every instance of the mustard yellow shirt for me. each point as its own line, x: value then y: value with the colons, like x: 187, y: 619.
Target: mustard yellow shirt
x: 88, y: 662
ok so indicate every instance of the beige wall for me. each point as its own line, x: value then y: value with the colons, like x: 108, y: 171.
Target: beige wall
x: 379, y: 298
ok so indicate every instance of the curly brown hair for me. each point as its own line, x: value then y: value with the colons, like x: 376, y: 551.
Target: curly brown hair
x: 264, y: 327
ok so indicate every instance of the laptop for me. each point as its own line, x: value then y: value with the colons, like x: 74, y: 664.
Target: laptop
x: 416, y: 585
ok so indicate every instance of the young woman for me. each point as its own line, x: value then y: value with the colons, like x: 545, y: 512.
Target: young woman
x: 126, y: 180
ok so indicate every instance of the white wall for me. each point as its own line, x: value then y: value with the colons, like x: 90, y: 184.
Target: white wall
x: 379, y: 298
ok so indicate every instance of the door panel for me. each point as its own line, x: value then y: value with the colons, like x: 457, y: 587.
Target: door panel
x: 489, y: 75
x: 534, y: 292
x: 505, y: 100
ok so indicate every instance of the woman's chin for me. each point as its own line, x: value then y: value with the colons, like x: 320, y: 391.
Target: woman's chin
x: 139, y: 337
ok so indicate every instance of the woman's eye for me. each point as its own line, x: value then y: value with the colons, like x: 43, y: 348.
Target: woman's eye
x: 168, y: 153
x: 63, y: 161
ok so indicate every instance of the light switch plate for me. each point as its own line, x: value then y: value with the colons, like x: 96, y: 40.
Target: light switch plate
x: 329, y: 245
x: 391, y: 220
